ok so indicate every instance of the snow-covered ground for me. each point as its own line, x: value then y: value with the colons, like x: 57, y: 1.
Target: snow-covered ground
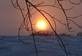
x: 46, y: 45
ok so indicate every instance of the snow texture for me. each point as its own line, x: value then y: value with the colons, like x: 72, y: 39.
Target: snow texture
x: 46, y: 45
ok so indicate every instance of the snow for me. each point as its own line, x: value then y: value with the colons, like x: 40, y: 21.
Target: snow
x: 46, y: 45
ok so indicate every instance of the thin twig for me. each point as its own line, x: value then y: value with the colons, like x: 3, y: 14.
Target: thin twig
x: 58, y: 37
x: 75, y: 3
x: 34, y: 41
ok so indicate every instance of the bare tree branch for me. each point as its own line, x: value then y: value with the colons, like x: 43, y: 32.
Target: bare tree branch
x: 27, y: 19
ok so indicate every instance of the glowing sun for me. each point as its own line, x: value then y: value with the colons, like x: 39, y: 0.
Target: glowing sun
x: 41, y: 25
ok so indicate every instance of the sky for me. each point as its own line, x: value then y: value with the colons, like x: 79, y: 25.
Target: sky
x: 10, y: 18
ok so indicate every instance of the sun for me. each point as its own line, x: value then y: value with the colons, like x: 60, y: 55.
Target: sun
x: 41, y: 25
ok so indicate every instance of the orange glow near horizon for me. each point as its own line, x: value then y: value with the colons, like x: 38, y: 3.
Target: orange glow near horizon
x: 41, y: 24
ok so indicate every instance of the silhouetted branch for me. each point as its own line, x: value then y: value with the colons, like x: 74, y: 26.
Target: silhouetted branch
x: 59, y: 38
x: 27, y: 19
x: 14, y: 5
x: 75, y: 23
x: 67, y: 23
x: 47, y: 6
x: 69, y: 8
x: 34, y: 41
x: 76, y: 17
x: 75, y: 3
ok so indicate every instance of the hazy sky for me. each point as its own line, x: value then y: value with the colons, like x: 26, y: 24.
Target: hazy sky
x: 10, y: 19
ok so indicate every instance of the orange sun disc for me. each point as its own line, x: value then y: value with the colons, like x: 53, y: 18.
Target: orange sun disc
x: 41, y: 25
